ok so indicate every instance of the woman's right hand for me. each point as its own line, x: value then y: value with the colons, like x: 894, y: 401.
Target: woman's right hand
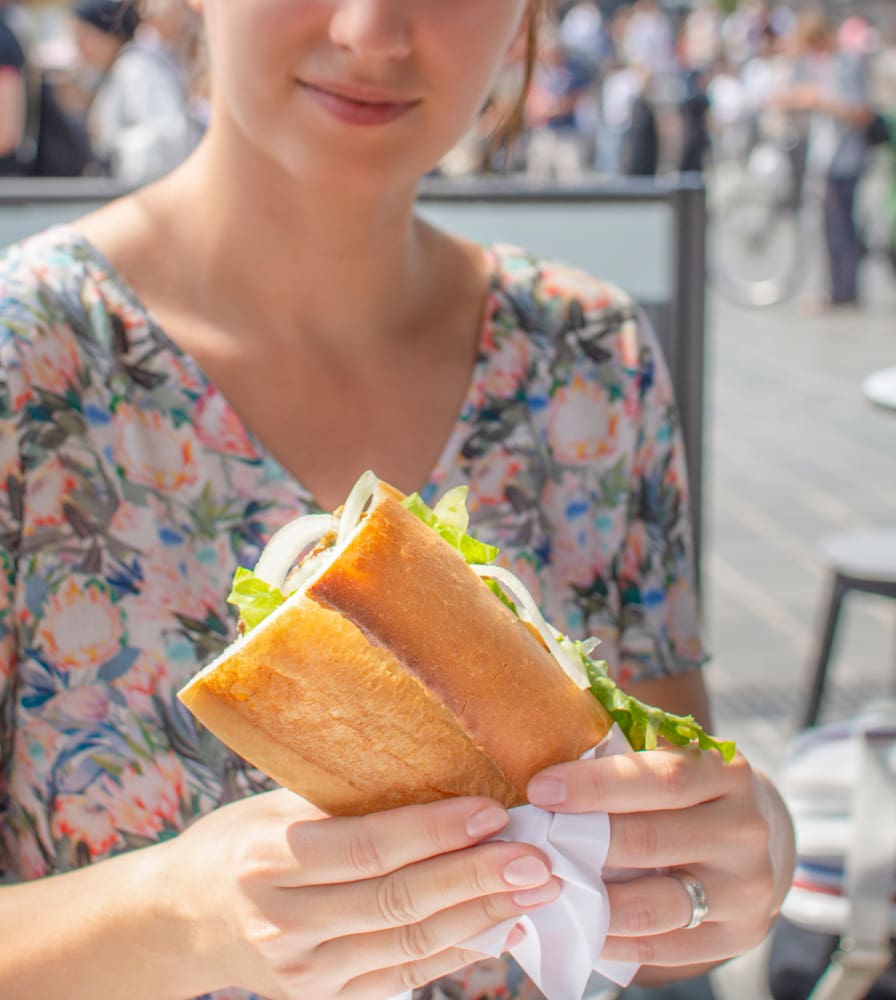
x: 287, y: 902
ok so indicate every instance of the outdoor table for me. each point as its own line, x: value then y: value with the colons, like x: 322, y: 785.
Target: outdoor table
x: 880, y: 388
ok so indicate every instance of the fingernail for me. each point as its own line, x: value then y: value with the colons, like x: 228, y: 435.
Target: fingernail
x: 526, y: 871
x: 515, y: 937
x: 487, y: 821
x: 536, y: 897
x: 546, y: 791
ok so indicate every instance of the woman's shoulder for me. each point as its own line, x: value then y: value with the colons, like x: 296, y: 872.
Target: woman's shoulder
x: 556, y: 302
x: 78, y: 250
x: 59, y: 296
x: 36, y: 267
x: 40, y: 281
x: 554, y: 283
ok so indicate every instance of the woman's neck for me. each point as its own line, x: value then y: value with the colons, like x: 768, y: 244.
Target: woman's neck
x: 351, y: 271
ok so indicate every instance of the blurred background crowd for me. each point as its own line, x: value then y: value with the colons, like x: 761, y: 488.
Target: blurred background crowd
x: 99, y: 87
x: 800, y: 94
x: 640, y: 87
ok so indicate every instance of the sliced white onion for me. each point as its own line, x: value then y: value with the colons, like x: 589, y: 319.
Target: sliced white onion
x: 287, y: 544
x: 590, y: 644
x: 302, y: 574
x: 571, y: 665
x: 354, y: 506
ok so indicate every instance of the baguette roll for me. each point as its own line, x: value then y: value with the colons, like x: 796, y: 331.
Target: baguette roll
x: 395, y: 676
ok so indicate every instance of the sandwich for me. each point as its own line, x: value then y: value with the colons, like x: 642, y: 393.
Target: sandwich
x: 386, y: 660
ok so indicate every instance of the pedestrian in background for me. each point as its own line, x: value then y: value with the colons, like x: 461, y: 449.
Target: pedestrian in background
x: 832, y: 87
x: 171, y: 30
x: 649, y: 39
x: 561, y: 82
x: 619, y: 90
x: 584, y: 32
x: 138, y: 119
x: 694, y: 108
x: 38, y: 136
x: 700, y: 36
x: 642, y: 154
x: 12, y: 96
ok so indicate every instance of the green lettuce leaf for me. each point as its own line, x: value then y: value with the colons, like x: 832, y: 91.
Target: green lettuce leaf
x: 450, y: 519
x: 254, y: 598
x: 642, y: 724
x: 451, y: 509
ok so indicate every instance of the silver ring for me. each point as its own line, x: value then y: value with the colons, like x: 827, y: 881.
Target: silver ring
x: 697, y: 895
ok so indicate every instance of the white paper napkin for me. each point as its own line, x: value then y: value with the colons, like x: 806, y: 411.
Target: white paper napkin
x: 564, y: 939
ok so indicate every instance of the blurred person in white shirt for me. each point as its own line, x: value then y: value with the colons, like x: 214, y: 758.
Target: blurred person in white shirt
x: 172, y: 30
x: 649, y: 39
x: 620, y: 89
x: 763, y: 76
x: 764, y: 73
x: 730, y: 113
x: 583, y: 31
x: 138, y: 119
x: 701, y: 35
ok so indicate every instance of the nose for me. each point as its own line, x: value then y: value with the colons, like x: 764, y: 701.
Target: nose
x: 378, y: 29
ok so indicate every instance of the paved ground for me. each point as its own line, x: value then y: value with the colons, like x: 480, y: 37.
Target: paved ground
x: 793, y: 452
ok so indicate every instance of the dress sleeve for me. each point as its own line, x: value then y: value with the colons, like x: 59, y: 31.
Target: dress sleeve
x: 10, y: 537
x: 658, y: 614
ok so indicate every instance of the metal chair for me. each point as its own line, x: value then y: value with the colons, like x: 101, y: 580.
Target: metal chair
x: 863, y: 561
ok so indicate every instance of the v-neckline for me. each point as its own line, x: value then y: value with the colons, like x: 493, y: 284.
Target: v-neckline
x: 450, y: 451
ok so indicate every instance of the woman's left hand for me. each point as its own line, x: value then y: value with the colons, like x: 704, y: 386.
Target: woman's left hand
x: 681, y: 811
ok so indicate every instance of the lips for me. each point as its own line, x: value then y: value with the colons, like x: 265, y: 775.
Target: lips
x: 358, y: 105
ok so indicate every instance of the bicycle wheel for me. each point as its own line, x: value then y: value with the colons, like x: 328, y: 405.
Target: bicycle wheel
x: 756, y: 250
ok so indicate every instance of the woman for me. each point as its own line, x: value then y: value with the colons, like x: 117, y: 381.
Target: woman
x: 199, y: 362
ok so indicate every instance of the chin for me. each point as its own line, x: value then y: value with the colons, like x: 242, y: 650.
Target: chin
x: 359, y: 173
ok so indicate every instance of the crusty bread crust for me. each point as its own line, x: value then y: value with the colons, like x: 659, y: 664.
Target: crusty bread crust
x: 411, y: 593
x: 397, y: 677
x: 314, y: 705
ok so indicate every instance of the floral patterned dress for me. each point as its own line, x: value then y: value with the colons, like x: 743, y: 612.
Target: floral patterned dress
x: 130, y: 491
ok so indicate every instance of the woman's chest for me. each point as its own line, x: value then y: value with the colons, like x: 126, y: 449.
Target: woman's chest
x: 326, y: 426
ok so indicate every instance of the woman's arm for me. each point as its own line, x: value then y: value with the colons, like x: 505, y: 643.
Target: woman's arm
x: 269, y: 895
x: 111, y: 930
x: 682, y: 694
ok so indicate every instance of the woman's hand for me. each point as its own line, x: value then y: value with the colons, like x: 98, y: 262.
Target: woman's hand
x: 289, y: 903
x: 680, y: 809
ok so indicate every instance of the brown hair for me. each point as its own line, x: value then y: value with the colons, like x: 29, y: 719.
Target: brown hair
x: 511, y: 125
